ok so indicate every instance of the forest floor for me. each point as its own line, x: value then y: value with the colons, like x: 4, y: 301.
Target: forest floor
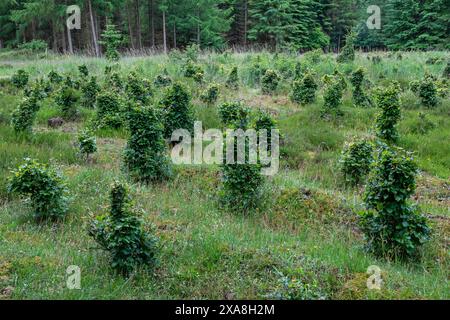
x: 304, y: 242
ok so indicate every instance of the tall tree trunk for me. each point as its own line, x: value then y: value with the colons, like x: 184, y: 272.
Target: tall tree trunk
x: 164, y: 32
x: 151, y: 22
x: 174, y: 35
x: 245, y: 22
x: 130, y: 28
x: 137, y: 6
x: 55, y: 36
x: 198, y: 29
x: 69, y: 40
x: 94, y: 32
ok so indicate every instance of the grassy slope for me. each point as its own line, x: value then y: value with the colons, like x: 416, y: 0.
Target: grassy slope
x: 304, y: 237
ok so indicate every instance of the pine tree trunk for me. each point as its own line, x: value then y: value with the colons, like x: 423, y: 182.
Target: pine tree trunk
x: 130, y: 28
x: 69, y: 38
x: 137, y: 6
x: 151, y: 22
x: 55, y: 36
x: 164, y: 32
x: 174, y: 35
x: 94, y: 32
x: 245, y: 22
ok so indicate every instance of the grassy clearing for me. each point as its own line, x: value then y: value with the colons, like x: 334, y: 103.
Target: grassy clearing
x: 303, y: 243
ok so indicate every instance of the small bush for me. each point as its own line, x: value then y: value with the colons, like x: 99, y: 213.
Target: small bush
x: 109, y: 110
x: 392, y: 227
x: 24, y: 115
x: 269, y: 82
x: 43, y: 185
x: 355, y: 161
x: 233, y: 113
x: 55, y: 78
x: 304, y: 90
x: 34, y: 46
x: 83, y: 70
x: 192, y: 70
x: 178, y: 112
x: 357, y: 80
x: 233, y: 79
x: 446, y: 72
x: 20, y: 79
x: 90, y: 91
x: 348, y: 51
x: 333, y: 98
x: 111, y: 39
x: 211, y: 94
x: 428, y: 92
x: 67, y: 99
x: 122, y: 235
x: 422, y: 125
x: 145, y: 154
x: 389, y: 103
x: 162, y: 80
x: 87, y: 143
x: 137, y: 89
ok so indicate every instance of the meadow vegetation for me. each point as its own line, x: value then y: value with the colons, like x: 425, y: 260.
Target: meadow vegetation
x: 301, y: 239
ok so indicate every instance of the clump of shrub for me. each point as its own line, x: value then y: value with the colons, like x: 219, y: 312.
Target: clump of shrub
x: 162, y: 80
x: 112, y: 39
x: 20, y: 79
x: 87, y: 143
x: 392, y: 227
x: 114, y: 80
x: 194, y: 71
x: 145, y: 154
x: 137, y: 89
x: 427, y: 92
x: 234, y: 113
x: 348, y: 51
x: 256, y: 71
x: 357, y: 80
x: 89, y: 92
x: 54, y: 77
x: 109, y: 110
x: 67, y: 98
x: 389, y: 103
x: 24, y: 115
x: 241, y: 182
x: 211, y: 94
x: 304, y: 90
x: 355, y: 161
x: 178, y: 112
x: 233, y: 79
x: 43, y: 185
x: 333, y: 98
x: 83, y: 70
x: 122, y: 235
x: 269, y: 81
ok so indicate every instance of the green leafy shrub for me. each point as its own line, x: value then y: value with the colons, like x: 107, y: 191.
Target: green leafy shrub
x: 256, y: 71
x: 20, y: 79
x: 194, y: 71
x: 233, y: 79
x: 34, y: 46
x: 178, y: 112
x: 67, y: 98
x: 357, y: 80
x: 24, y: 115
x: 389, y: 103
x: 43, y: 185
x: 145, y: 154
x: 115, y: 81
x: 111, y: 39
x: 333, y: 98
x: 269, y: 82
x: 122, y: 234
x: 264, y: 121
x: 83, y: 70
x: 55, y: 78
x: 162, y: 80
x: 89, y: 92
x: 428, y: 92
x: 109, y: 110
x: 393, y: 227
x: 233, y: 113
x: 348, y: 51
x: 355, y: 161
x: 211, y: 94
x: 87, y: 143
x: 137, y: 89
x: 241, y: 187
x: 304, y: 90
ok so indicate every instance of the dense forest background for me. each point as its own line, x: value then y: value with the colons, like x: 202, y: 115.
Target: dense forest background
x: 298, y: 25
